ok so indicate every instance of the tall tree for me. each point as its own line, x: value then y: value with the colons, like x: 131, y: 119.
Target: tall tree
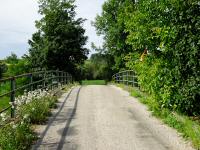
x: 111, y: 25
x: 3, y: 68
x: 59, y: 42
x: 12, y: 59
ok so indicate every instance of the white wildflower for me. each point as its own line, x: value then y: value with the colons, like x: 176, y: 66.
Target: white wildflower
x: 3, y: 116
x: 14, y: 126
x: 26, y: 116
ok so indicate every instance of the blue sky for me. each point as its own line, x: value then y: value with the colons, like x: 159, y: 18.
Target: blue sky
x: 17, y: 23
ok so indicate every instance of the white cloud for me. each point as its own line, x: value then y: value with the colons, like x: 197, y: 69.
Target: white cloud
x: 88, y: 10
x: 17, y: 19
x: 17, y: 23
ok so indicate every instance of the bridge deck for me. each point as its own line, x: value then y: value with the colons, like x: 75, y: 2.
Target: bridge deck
x: 105, y: 118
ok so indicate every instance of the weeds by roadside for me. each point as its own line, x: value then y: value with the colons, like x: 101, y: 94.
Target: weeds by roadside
x: 31, y: 108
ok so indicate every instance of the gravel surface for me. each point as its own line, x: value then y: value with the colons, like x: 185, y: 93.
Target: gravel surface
x: 105, y: 118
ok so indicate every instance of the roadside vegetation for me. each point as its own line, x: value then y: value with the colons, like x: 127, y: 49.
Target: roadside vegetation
x: 160, y: 41
x: 32, y: 108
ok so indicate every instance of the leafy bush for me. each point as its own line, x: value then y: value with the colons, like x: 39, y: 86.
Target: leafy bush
x: 31, y: 108
x: 16, y: 135
x: 37, y: 111
x: 35, y: 105
x: 169, y: 30
x: 3, y: 68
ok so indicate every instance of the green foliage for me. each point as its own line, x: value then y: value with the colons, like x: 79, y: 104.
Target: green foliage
x: 59, y: 41
x: 12, y: 59
x: 16, y: 136
x: 3, y: 68
x: 38, y: 110
x: 169, y: 29
x: 17, y: 68
x: 97, y: 67
x: 112, y: 26
x: 32, y: 108
x: 4, y: 103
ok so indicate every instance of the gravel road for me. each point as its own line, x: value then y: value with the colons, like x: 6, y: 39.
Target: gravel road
x: 105, y: 118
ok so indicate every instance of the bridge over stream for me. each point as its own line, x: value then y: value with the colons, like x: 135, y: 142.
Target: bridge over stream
x: 94, y: 117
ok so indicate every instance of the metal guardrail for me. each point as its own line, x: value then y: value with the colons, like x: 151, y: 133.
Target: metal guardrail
x: 127, y: 77
x: 12, y: 86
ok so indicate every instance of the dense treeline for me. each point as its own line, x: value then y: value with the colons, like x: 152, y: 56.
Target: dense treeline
x: 97, y: 67
x: 167, y: 33
x: 12, y: 65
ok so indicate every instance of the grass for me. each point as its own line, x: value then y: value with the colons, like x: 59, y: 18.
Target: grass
x: 189, y: 128
x: 93, y: 82
x: 4, y: 102
x: 18, y: 133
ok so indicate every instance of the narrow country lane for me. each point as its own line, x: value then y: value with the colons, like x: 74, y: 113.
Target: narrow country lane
x: 105, y: 118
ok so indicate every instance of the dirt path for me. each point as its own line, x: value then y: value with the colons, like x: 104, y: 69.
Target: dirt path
x: 105, y: 118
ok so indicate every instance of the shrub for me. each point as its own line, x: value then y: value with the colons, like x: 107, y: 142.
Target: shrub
x: 16, y: 135
x: 36, y: 105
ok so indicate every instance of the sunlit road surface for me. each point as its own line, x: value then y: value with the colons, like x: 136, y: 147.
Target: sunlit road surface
x: 99, y: 117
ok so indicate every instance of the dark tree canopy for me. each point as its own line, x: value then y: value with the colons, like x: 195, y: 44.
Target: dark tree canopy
x: 3, y: 68
x: 111, y: 25
x: 59, y: 41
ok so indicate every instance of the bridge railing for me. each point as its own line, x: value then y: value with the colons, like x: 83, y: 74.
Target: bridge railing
x: 16, y: 85
x: 127, y: 77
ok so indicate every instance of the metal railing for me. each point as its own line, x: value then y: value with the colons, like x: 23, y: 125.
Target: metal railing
x: 127, y: 77
x: 16, y: 85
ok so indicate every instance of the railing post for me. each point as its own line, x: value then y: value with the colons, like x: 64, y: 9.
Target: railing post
x: 44, y: 79
x: 119, y: 78
x: 30, y: 82
x: 124, y: 78
x: 68, y: 78
x: 127, y: 78
x: 133, y: 78
x: 65, y: 78
x: 52, y: 80
x: 62, y: 78
x: 58, y: 77
x: 12, y: 96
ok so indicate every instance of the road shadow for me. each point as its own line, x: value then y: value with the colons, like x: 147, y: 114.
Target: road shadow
x: 55, y: 119
x: 67, y: 126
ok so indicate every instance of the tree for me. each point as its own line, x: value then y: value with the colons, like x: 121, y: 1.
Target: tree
x: 169, y: 29
x: 3, y: 68
x: 59, y: 42
x: 12, y: 59
x: 98, y: 67
x: 111, y: 25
